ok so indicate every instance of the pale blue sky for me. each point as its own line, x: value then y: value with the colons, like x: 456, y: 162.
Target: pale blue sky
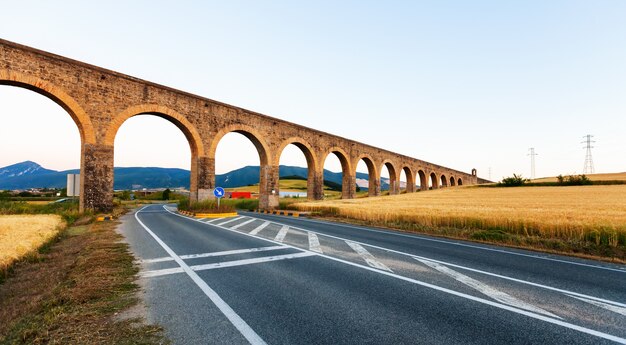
x: 465, y: 84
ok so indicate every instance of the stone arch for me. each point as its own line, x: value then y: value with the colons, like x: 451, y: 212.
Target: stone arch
x: 394, y: 185
x: 188, y: 129
x: 252, y: 134
x: 309, y: 155
x: 374, y: 174
x: 56, y: 94
x: 423, y: 179
x: 460, y: 182
x: 452, y: 181
x: 434, y: 180
x: 346, y: 171
x: 444, y: 181
x: 410, y: 179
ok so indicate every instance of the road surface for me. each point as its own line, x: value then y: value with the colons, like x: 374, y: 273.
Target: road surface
x: 279, y: 280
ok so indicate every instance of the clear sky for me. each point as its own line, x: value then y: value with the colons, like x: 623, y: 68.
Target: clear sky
x: 464, y: 84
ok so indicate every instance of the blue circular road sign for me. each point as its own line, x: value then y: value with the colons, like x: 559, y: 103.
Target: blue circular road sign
x: 219, y: 192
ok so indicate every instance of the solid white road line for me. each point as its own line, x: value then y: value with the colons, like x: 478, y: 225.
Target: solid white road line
x: 230, y: 314
x: 369, y: 258
x: 451, y: 292
x: 168, y: 271
x: 259, y: 228
x: 229, y: 221
x: 486, y: 289
x: 606, y: 306
x: 546, y: 287
x: 207, y: 255
x: 242, y: 224
x: 280, y: 236
x: 450, y: 242
x: 314, y: 243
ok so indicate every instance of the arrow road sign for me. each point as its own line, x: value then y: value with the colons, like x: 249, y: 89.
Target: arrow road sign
x: 218, y: 192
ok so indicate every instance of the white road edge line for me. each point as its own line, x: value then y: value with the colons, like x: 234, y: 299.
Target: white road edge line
x: 231, y: 315
x: 314, y: 243
x: 468, y: 268
x: 207, y: 255
x: 485, y: 289
x: 280, y: 236
x: 367, y: 256
x: 259, y: 228
x: 445, y: 290
x: 168, y: 271
x: 463, y: 245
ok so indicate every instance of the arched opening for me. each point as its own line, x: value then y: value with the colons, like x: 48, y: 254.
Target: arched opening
x: 434, y: 182
x: 444, y: 181
x: 402, y: 183
x: 239, y: 161
x: 452, y: 181
x: 336, y: 177
x: 40, y: 143
x: 460, y: 182
x: 409, y: 179
x: 423, y: 180
x: 151, y: 155
x: 367, y: 178
x: 71, y: 107
x: 389, y: 179
x: 296, y: 171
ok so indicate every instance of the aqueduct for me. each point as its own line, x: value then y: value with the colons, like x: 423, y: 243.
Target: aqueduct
x: 100, y: 100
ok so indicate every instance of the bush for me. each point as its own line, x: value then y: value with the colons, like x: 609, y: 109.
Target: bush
x: 514, y: 181
x: 205, y: 206
x: 573, y: 180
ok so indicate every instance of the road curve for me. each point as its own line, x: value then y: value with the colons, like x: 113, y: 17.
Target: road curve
x: 261, y: 279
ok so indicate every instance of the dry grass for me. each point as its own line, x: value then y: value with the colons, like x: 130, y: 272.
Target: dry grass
x: 592, y: 177
x: 22, y: 234
x: 594, y: 215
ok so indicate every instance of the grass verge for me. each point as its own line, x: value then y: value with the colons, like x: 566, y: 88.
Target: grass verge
x: 73, y: 290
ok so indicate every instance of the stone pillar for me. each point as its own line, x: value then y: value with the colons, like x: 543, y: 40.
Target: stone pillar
x: 348, y: 191
x: 202, y: 180
x: 374, y: 185
x: 315, y: 187
x: 410, y: 184
x: 269, y: 191
x: 96, y: 178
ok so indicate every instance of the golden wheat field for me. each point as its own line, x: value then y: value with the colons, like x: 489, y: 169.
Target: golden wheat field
x: 21, y: 234
x: 592, y: 213
x: 592, y: 177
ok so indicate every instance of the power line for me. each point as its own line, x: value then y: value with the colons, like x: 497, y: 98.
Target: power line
x: 588, y: 169
x: 532, y: 155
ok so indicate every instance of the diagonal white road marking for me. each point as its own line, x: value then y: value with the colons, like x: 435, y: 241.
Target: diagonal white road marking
x: 228, y: 221
x: 280, y: 236
x: 498, y: 305
x: 314, y: 243
x: 209, y: 220
x: 486, y: 289
x: 207, y: 255
x: 242, y: 224
x: 168, y: 271
x: 369, y: 258
x: 606, y: 306
x: 259, y: 228
x: 231, y: 315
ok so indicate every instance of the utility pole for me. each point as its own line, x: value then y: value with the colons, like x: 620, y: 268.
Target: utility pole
x: 588, y: 159
x: 532, y: 155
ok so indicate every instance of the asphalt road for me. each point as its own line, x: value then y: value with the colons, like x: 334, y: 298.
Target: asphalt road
x: 279, y: 280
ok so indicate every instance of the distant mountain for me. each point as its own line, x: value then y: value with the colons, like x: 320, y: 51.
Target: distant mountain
x: 32, y: 175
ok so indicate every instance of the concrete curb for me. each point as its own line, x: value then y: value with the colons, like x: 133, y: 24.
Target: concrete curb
x: 284, y: 213
x: 208, y: 215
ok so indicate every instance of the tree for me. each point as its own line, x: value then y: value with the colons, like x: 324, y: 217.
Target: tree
x: 166, y: 194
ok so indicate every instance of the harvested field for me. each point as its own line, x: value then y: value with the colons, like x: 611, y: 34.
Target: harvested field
x: 22, y: 234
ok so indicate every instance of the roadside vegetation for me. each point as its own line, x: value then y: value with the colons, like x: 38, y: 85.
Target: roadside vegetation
x: 583, y: 220
x: 66, y: 279
x: 568, y: 180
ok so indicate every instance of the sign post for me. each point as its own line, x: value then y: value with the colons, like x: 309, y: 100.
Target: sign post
x: 219, y: 194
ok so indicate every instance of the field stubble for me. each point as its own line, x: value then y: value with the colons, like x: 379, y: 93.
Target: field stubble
x: 584, y: 219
